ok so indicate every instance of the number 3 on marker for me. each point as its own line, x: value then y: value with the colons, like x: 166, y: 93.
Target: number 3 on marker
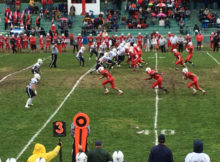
x: 59, y: 129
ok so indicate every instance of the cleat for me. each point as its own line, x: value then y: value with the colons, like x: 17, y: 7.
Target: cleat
x: 27, y: 107
x: 30, y: 104
x: 176, y: 69
x: 194, y: 92
x: 203, y: 92
x: 106, y: 91
x: 120, y: 92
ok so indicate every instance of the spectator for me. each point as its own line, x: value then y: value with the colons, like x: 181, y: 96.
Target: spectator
x: 197, y: 154
x: 40, y: 151
x: 181, y: 23
x: 162, y: 43
x: 167, y: 23
x: 72, y: 12
x: 154, y: 43
x: 199, y: 39
x: 44, y: 4
x: 50, y: 5
x: 160, y: 153
x: 218, y: 22
x: 98, y: 154
x: 196, y: 29
x: 161, y: 22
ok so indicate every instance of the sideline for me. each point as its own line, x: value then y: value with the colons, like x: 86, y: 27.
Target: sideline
x: 51, y: 117
x: 5, y: 77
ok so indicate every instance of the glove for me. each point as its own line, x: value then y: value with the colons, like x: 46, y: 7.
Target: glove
x: 35, y: 92
x: 60, y: 144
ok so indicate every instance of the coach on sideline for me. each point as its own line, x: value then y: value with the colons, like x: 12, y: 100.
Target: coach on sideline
x: 54, y: 56
x: 160, y: 153
x: 40, y: 151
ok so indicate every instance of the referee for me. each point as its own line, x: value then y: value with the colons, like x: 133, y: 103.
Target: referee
x: 54, y: 56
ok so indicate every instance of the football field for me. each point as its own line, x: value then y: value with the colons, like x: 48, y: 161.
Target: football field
x: 129, y: 122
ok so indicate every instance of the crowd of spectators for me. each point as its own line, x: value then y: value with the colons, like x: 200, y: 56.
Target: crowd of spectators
x: 104, y: 21
x: 209, y: 18
x: 144, y: 13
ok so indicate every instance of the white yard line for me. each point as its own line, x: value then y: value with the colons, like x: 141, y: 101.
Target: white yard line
x: 5, y: 77
x: 51, y: 117
x: 213, y: 58
x: 156, y: 105
x: 2, y: 55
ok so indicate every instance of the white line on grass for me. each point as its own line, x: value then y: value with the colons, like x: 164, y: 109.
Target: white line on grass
x: 2, y: 55
x: 5, y: 77
x: 51, y: 117
x: 156, y: 106
x: 213, y: 58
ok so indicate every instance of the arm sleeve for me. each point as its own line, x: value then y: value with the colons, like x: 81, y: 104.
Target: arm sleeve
x: 52, y: 154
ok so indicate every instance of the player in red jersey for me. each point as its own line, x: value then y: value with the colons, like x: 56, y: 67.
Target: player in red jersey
x: 188, y: 39
x: 33, y: 43
x: 63, y: 41
x: 140, y: 40
x: 7, y: 45
x: 134, y: 58
x: 41, y: 42
x: 117, y: 41
x: 194, y: 78
x: 109, y: 79
x: 18, y: 42
x: 48, y: 41
x: 90, y: 40
x: 157, y: 77
x: 122, y: 38
x: 211, y: 38
x: 2, y: 42
x: 98, y: 40
x: 106, y: 40
x: 139, y: 54
x: 25, y: 41
x: 179, y: 58
x: 79, y: 40
x: 189, y: 49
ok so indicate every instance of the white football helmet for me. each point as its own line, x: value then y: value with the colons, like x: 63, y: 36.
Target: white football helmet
x: 175, y: 50
x: 41, y: 36
x: 100, y: 69
x: 83, y: 48
x: 106, y: 54
x: 40, y: 61
x: 37, y: 76
x: 48, y: 34
x: 148, y: 69
x: 81, y: 157
x: 190, y: 43
x: 185, y: 70
x: 118, y: 156
x: 114, y: 50
x: 40, y: 159
x: 11, y: 160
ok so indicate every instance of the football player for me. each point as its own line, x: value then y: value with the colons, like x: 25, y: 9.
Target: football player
x: 194, y: 78
x: 157, y: 77
x: 189, y: 49
x: 36, y: 67
x: 80, y: 57
x: 109, y: 79
x: 32, y: 90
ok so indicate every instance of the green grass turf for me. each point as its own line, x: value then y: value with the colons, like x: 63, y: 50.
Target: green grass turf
x: 113, y: 118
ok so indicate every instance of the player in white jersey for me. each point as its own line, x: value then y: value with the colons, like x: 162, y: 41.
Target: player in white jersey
x: 32, y: 90
x: 93, y: 50
x: 36, y: 67
x: 109, y: 58
x: 102, y: 49
x: 120, y: 54
x: 80, y: 57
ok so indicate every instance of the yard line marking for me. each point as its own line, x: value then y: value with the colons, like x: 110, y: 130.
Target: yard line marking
x: 2, y: 55
x: 213, y: 58
x: 51, y: 117
x: 5, y: 77
x: 156, y: 105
